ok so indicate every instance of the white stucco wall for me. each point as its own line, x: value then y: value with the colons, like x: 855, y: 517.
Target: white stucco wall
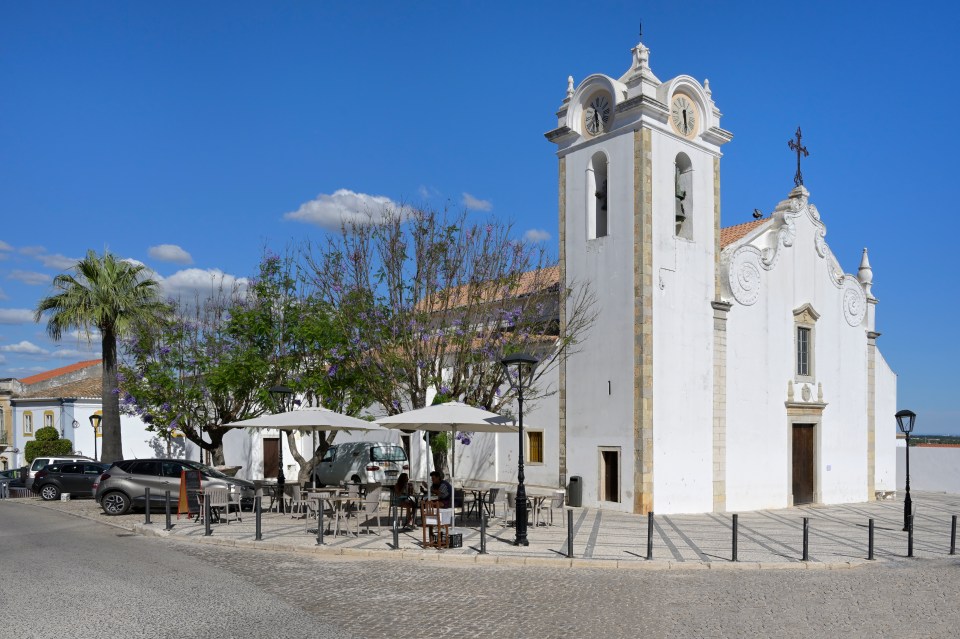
x: 931, y: 468
x: 886, y: 425
x: 761, y: 361
x: 683, y: 286
x: 600, y: 376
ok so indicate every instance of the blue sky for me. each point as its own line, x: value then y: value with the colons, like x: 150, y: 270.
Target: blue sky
x: 183, y: 134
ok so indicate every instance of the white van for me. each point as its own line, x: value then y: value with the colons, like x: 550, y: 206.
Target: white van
x: 362, y: 462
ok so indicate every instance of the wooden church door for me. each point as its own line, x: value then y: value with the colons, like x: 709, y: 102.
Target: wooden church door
x: 802, y: 463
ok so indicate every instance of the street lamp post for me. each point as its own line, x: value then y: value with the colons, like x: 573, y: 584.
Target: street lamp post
x: 95, y: 422
x: 905, y: 420
x: 519, y: 363
x: 280, y: 394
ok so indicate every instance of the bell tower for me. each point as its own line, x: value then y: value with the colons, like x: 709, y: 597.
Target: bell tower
x: 639, y: 216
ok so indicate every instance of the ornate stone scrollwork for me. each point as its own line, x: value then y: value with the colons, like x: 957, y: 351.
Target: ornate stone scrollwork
x: 854, y: 301
x: 743, y: 274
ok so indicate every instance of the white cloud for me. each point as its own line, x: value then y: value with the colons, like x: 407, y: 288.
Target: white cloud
x: 170, y: 253
x: 75, y: 353
x: 4, y: 246
x: 25, y: 348
x: 329, y: 211
x: 57, y: 261
x: 84, y: 337
x: 33, y: 250
x: 29, y: 277
x: 536, y: 235
x: 16, y: 316
x: 3, y: 296
x: 476, y: 204
x: 193, y: 283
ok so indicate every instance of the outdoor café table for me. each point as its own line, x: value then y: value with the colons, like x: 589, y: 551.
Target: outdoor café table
x: 340, y: 505
x: 323, y: 494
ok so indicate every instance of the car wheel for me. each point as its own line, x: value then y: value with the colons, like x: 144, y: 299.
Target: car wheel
x: 115, y: 503
x: 50, y: 492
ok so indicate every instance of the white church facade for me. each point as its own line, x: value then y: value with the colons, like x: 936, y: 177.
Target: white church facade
x: 728, y: 369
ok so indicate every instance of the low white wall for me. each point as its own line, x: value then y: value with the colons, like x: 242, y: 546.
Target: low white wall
x: 933, y: 469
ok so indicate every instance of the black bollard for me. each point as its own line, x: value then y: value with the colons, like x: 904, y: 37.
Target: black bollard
x: 649, y: 535
x: 396, y: 526
x: 953, y: 535
x: 735, y: 524
x: 870, y: 543
x: 806, y: 539
x: 167, y: 509
x: 569, y: 534
x: 146, y: 510
x: 910, y: 536
x: 206, y: 517
x: 258, y: 511
x: 320, y: 522
x: 483, y: 533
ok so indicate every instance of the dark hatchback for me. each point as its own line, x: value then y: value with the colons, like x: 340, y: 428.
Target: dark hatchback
x: 73, y: 478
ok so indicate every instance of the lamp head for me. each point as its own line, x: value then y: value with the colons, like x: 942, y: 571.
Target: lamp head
x: 905, y: 420
x: 280, y: 394
x: 523, y: 363
x: 95, y: 420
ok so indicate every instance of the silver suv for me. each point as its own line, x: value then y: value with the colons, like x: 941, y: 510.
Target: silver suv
x: 122, y: 486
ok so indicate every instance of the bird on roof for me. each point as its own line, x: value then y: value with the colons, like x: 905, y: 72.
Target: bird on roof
x: 757, y: 214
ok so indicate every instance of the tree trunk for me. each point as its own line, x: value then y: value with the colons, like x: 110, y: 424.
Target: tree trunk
x: 110, y: 400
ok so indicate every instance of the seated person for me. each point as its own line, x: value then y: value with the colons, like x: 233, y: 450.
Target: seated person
x: 403, y: 498
x: 440, y: 489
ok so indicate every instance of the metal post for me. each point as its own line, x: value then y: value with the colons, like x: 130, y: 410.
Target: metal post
x: 910, y: 537
x: 806, y: 539
x: 167, y: 509
x: 483, y: 533
x: 320, y: 522
x: 396, y: 523
x: 146, y: 510
x: 953, y: 535
x: 206, y: 517
x: 907, y: 503
x: 521, y: 506
x: 870, y: 544
x: 258, y: 511
x: 650, y: 535
x: 569, y: 534
x: 735, y: 524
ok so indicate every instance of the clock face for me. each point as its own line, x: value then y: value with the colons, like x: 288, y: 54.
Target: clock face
x: 596, y: 116
x: 683, y: 115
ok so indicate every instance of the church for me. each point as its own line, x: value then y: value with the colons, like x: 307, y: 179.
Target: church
x: 728, y: 369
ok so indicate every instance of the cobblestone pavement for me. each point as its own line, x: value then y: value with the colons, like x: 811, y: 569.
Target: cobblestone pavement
x: 447, y: 594
x: 838, y: 536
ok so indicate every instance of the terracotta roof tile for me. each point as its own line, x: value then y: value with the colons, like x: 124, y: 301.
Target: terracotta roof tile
x: 92, y: 388
x: 39, y: 377
x: 528, y: 283
x: 731, y: 234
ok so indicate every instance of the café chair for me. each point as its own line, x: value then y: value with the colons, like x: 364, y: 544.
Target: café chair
x: 222, y: 503
x: 431, y: 515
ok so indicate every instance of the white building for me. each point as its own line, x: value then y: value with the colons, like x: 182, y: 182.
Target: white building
x: 65, y: 398
x: 729, y: 369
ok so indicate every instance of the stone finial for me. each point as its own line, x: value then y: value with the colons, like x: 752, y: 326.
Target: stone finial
x: 819, y: 392
x: 865, y: 274
x: 641, y: 57
x: 569, y: 87
x: 706, y: 88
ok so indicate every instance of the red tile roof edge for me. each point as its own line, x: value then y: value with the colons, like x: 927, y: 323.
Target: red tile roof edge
x: 40, y: 377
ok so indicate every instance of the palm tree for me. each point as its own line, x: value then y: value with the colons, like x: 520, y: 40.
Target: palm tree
x: 112, y: 296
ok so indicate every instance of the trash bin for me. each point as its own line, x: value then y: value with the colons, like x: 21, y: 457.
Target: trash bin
x: 575, y: 492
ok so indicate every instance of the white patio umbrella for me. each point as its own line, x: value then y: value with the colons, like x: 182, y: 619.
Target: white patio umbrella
x: 308, y: 419
x: 449, y: 416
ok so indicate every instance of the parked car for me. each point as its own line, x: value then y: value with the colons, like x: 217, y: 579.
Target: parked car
x: 73, y: 478
x: 15, y: 476
x: 122, y: 485
x: 40, y: 462
x: 362, y: 462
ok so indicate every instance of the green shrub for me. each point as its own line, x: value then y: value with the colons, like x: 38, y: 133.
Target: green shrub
x: 47, y: 444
